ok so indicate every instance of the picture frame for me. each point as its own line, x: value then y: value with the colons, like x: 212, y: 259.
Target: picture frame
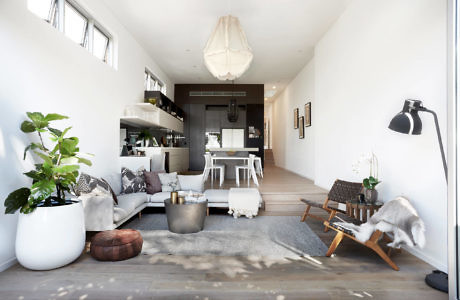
x: 301, y: 128
x: 308, y: 114
x: 296, y: 118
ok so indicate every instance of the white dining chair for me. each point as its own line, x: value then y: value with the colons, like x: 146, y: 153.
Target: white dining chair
x: 258, y: 163
x: 208, y: 166
x: 251, y: 171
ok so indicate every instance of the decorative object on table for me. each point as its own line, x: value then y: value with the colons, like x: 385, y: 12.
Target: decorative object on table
x: 124, y: 151
x: 301, y: 128
x: 146, y: 136
x: 340, y: 192
x: 169, y: 182
x: 243, y: 202
x: 370, y: 182
x: 154, y: 142
x: 397, y: 216
x: 132, y: 181
x: 186, y: 218
x: 174, y: 196
x: 408, y: 122
x: 296, y: 118
x: 227, y: 54
x: 308, y: 114
x: 116, y: 245
x: 181, y: 200
x: 51, y: 229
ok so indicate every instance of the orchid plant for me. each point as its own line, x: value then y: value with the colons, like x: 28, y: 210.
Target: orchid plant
x: 372, y: 180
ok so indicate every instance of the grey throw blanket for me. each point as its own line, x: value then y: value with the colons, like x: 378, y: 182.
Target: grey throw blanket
x: 398, y: 217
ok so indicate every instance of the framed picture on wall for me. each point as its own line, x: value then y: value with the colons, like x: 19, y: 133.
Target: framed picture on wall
x: 296, y: 118
x: 301, y: 128
x: 308, y: 114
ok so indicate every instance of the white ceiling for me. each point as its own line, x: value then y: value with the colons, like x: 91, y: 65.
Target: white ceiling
x: 282, y: 34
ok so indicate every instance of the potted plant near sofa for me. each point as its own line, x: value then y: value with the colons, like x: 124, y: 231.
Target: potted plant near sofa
x: 51, y: 228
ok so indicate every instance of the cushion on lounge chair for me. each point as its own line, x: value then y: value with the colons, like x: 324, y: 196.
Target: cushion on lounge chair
x: 347, y: 219
x: 312, y: 203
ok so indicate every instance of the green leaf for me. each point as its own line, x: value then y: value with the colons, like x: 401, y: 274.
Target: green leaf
x: 54, y: 117
x: 69, y: 160
x: 69, y: 146
x: 45, y: 158
x: 65, y: 169
x: 41, y: 190
x: 27, y: 127
x: 38, y: 120
x: 34, y: 175
x: 56, y: 132
x: 85, y: 161
x: 65, y: 131
x: 16, y: 200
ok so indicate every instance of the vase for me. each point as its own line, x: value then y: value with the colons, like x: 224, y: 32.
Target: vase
x: 50, y: 237
x: 370, y: 195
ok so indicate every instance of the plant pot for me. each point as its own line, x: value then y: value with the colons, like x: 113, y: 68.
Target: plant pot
x: 370, y: 195
x: 50, y: 237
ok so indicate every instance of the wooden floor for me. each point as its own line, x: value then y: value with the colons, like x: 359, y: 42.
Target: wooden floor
x: 354, y: 273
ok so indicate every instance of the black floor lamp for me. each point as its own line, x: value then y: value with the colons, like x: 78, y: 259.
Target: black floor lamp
x: 408, y: 122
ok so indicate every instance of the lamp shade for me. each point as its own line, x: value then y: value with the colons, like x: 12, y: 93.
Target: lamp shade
x: 408, y: 121
x: 227, y: 54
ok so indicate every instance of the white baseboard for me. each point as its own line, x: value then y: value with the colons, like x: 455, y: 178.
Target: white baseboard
x: 7, y: 264
x: 428, y: 259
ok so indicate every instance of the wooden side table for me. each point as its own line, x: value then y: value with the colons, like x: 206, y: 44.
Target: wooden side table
x: 359, y: 210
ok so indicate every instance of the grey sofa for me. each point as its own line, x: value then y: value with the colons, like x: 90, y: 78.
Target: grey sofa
x: 101, y: 213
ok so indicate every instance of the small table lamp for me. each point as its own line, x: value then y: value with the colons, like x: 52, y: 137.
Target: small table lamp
x: 408, y: 121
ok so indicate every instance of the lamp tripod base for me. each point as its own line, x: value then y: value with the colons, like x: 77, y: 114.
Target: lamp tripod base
x: 438, y: 280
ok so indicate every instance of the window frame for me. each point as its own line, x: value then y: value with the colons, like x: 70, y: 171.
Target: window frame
x: 158, y: 85
x: 56, y: 18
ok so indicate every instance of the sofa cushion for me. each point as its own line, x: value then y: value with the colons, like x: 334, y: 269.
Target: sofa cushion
x: 129, y: 202
x: 160, y: 197
x: 132, y: 181
x: 216, y: 196
x: 169, y: 182
x: 152, y: 182
x: 87, y: 184
x: 191, y: 182
x: 119, y: 214
x: 114, y: 180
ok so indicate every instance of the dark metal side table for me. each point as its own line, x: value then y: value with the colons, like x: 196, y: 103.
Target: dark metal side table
x: 359, y: 210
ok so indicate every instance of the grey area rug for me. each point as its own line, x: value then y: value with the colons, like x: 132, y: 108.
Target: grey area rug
x: 271, y: 236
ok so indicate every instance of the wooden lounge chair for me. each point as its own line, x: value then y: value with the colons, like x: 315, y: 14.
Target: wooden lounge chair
x: 341, y: 192
x: 372, y: 242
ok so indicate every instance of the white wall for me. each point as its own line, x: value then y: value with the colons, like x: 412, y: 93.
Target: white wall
x: 290, y: 152
x: 42, y: 70
x: 377, y: 54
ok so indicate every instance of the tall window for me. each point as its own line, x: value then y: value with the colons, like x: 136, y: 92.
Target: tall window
x: 76, y: 24
x: 152, y: 83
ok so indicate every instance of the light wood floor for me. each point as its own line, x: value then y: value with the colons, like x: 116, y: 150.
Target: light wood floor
x: 354, y: 273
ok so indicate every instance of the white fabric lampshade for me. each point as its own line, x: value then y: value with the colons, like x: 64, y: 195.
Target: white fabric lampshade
x: 227, y: 54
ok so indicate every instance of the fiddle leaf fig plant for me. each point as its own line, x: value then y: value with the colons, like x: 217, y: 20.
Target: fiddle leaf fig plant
x: 57, y: 172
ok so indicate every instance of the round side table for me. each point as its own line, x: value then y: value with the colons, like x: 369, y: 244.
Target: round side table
x: 359, y: 210
x: 186, y: 218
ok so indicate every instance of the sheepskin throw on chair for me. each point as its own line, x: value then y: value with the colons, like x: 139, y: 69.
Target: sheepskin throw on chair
x: 398, y: 217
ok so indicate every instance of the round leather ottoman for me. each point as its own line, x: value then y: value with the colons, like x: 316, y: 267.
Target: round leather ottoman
x: 115, y: 245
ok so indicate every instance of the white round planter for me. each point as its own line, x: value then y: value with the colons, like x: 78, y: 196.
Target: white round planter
x: 50, y: 237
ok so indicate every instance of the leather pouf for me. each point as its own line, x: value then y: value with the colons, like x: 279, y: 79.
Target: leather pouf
x: 115, y: 245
